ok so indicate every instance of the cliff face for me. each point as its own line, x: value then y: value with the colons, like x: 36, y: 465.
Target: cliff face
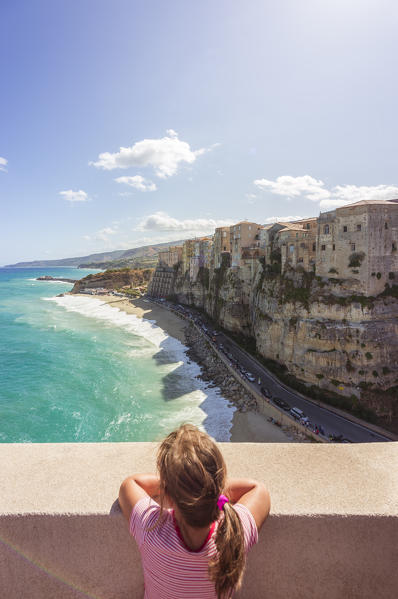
x: 114, y: 279
x: 224, y: 294
x: 316, y: 328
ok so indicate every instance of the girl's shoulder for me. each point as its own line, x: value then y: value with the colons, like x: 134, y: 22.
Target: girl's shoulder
x: 146, y: 516
x: 249, y: 526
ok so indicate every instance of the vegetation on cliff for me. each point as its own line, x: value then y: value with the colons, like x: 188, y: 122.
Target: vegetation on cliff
x: 315, y: 333
x: 115, y: 279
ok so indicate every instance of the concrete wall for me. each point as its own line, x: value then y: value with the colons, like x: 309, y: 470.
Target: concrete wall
x: 332, y: 532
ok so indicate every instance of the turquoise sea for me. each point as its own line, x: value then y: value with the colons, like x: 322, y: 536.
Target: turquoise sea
x: 73, y: 369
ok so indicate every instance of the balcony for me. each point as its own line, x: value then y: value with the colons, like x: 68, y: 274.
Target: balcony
x: 332, y: 532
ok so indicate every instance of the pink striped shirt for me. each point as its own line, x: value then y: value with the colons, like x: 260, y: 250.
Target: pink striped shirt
x: 171, y: 570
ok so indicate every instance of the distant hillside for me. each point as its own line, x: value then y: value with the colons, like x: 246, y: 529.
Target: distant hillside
x: 141, y: 257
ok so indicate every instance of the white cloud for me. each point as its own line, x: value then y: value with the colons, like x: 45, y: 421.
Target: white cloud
x: 332, y: 204
x: 289, y: 186
x: 137, y: 182
x: 165, y: 155
x: 352, y: 193
x: 74, y: 196
x: 312, y: 189
x: 3, y: 164
x: 341, y: 195
x: 102, y: 234
x: 251, y: 198
x: 160, y: 221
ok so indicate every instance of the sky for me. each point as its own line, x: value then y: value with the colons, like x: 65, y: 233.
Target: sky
x: 130, y: 122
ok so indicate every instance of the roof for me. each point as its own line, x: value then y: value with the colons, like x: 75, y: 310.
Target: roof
x: 246, y: 222
x: 293, y: 228
x: 370, y: 202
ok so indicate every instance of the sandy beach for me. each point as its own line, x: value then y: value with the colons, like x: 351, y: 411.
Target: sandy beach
x: 165, y: 319
x: 247, y: 427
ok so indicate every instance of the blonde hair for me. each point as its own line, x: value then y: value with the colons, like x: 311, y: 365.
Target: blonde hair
x: 193, y: 474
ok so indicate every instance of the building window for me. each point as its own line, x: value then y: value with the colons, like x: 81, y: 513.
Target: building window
x: 326, y: 229
x: 359, y: 227
x: 345, y: 229
x: 302, y: 245
x: 300, y: 260
x: 334, y: 247
x: 353, y: 247
x: 386, y: 225
x: 308, y: 226
x: 250, y: 227
x: 323, y: 247
x: 394, y: 246
x: 291, y: 248
x: 313, y: 247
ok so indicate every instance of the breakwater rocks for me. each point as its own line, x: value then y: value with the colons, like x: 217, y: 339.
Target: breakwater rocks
x: 217, y: 374
x: 215, y: 371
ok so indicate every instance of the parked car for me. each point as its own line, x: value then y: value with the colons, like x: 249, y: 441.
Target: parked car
x: 250, y: 377
x: 265, y: 392
x: 281, y: 403
x: 299, y: 415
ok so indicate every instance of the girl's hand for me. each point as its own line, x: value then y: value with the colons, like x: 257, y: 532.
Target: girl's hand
x: 135, y: 488
x: 252, y: 494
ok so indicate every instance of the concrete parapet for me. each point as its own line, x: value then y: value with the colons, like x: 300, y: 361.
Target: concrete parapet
x: 332, y: 532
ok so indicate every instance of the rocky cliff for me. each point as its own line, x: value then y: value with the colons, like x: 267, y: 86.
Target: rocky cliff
x: 114, y: 279
x: 324, y: 340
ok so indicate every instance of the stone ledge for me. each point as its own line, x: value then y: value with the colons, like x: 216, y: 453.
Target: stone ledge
x: 333, y: 529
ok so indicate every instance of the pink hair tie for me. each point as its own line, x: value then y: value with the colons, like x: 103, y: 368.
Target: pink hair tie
x: 222, y: 500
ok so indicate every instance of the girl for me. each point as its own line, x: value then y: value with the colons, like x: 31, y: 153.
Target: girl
x: 194, y: 542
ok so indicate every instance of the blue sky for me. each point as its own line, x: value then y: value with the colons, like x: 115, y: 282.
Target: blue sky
x: 226, y: 110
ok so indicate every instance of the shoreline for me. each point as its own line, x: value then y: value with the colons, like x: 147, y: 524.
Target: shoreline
x: 246, y: 427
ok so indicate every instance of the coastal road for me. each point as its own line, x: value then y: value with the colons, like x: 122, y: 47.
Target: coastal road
x: 332, y: 423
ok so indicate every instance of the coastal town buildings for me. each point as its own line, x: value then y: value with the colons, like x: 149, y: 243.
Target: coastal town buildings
x: 161, y: 283
x: 188, y: 252
x: 171, y: 256
x: 357, y: 242
x: 221, y: 244
x: 243, y: 236
x: 360, y: 242
x: 297, y: 243
x: 202, y: 250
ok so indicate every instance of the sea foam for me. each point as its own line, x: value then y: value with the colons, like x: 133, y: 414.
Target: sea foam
x: 203, y: 405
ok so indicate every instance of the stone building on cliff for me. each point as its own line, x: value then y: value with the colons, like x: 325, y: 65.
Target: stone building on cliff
x: 359, y: 243
x: 161, y: 284
x: 171, y: 256
x: 221, y: 244
x: 202, y: 250
x: 243, y: 236
x: 297, y: 244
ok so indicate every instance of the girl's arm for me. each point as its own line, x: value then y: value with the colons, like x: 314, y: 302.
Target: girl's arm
x: 135, y: 488
x: 253, y: 495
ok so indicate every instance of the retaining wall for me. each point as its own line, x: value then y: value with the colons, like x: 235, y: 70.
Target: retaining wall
x: 332, y: 531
